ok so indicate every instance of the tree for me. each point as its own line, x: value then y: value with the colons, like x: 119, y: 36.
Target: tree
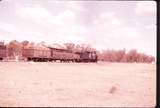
x: 70, y: 46
x: 24, y: 43
x: 77, y: 48
x: 15, y: 48
x: 132, y: 56
x: 121, y: 55
x: 85, y: 47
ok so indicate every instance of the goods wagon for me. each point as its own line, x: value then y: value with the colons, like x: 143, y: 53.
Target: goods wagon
x: 3, y: 52
x: 10, y: 52
x: 63, y: 55
x: 36, y: 54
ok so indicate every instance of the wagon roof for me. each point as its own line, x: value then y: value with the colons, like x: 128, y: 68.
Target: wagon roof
x: 58, y: 46
x: 37, y: 46
x: 59, y: 49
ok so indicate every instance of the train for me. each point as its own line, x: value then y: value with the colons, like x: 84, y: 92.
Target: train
x: 50, y: 54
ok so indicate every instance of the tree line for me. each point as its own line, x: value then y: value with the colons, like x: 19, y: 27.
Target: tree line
x: 124, y: 56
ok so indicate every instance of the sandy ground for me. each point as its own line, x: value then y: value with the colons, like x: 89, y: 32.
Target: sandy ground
x: 77, y: 84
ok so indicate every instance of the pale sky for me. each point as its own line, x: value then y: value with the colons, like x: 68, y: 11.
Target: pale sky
x: 102, y: 24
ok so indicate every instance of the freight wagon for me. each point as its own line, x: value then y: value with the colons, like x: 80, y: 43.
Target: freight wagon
x: 63, y: 55
x: 3, y: 52
x: 36, y: 54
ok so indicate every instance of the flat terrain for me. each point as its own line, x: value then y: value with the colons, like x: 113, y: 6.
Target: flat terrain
x: 77, y: 84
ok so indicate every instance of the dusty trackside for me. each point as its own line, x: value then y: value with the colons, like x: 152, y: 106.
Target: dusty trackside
x: 77, y: 84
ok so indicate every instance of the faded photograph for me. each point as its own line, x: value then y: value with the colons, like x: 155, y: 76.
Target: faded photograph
x: 64, y: 53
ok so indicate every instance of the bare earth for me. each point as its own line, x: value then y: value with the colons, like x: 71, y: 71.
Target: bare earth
x: 77, y: 84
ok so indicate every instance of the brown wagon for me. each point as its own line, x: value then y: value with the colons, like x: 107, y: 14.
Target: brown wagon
x: 63, y: 55
x: 3, y: 52
x: 36, y: 54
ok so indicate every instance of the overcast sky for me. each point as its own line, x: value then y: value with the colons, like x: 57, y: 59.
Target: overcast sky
x: 102, y: 24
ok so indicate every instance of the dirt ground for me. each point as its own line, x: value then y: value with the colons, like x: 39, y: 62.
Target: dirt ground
x: 77, y: 84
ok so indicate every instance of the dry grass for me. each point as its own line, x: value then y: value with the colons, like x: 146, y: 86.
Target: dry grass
x: 73, y: 84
